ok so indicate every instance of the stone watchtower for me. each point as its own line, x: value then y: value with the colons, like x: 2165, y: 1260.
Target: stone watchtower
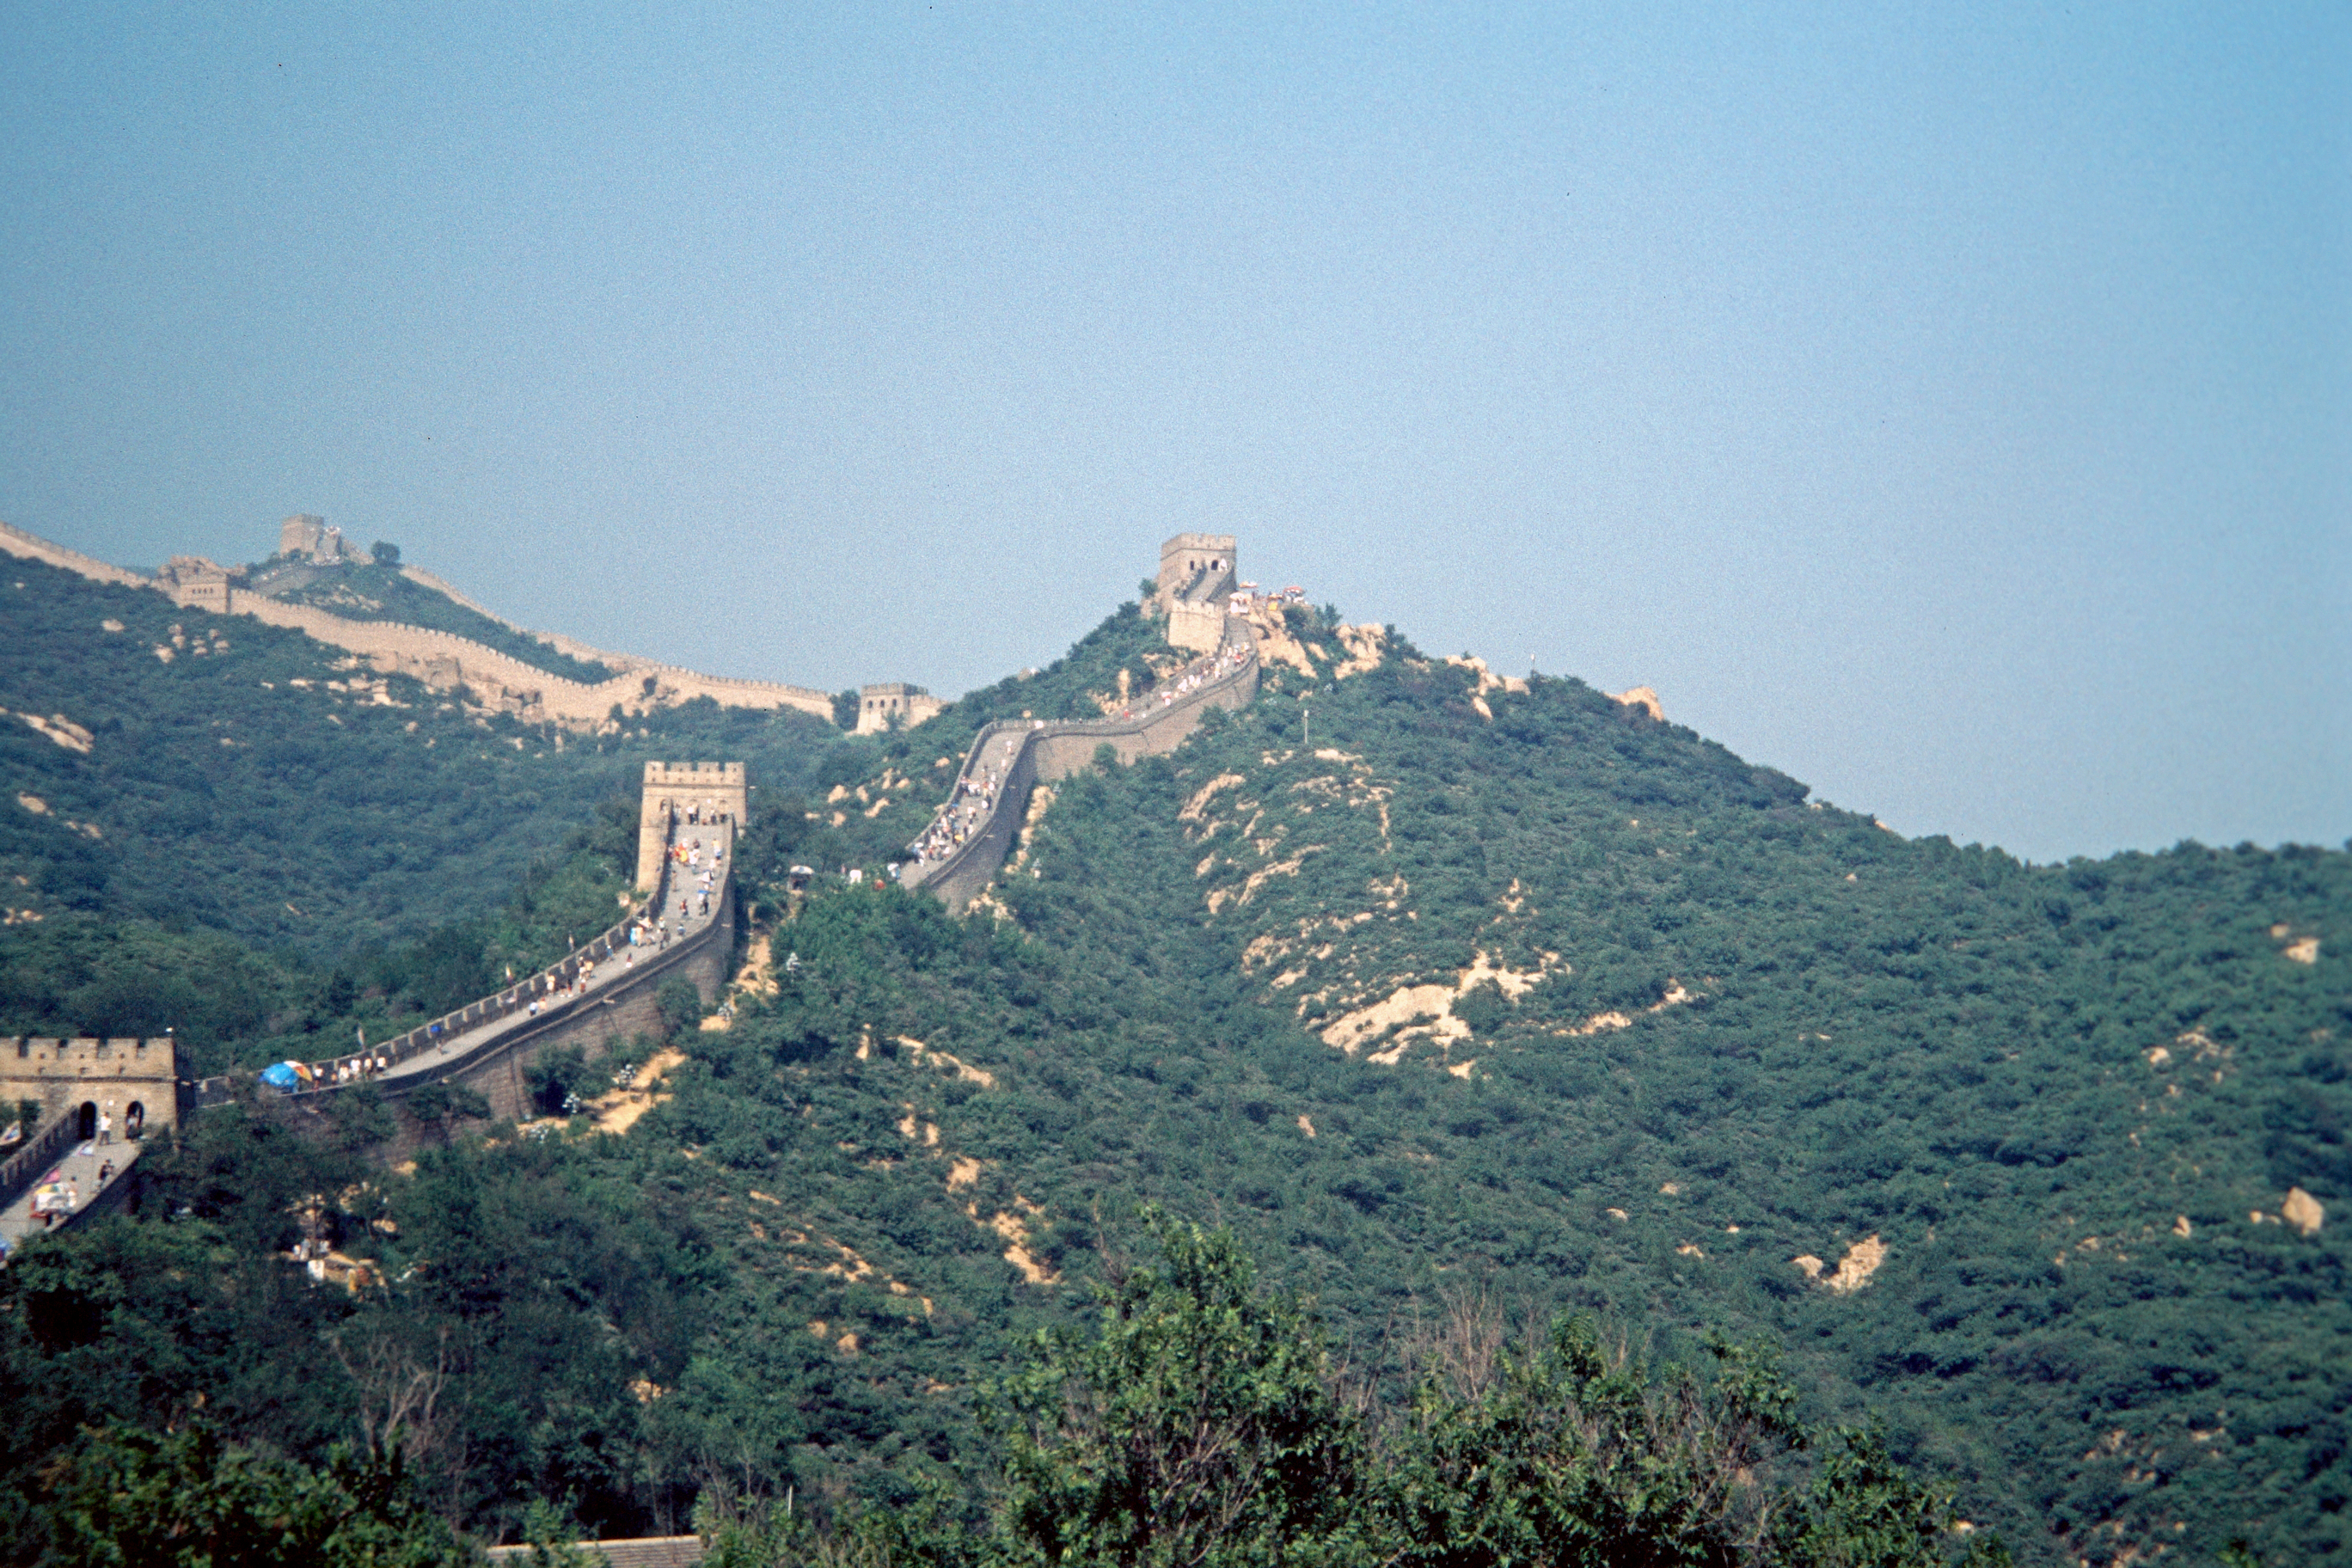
x: 135, y: 1082
x: 1195, y: 567
x: 893, y: 702
x: 1197, y: 572
x: 683, y: 792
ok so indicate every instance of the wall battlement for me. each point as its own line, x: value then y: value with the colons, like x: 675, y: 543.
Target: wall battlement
x: 118, y: 1076
x: 689, y: 792
x: 1196, y: 568
x: 893, y: 702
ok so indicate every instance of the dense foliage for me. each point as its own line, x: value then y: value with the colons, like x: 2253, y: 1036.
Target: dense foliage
x: 1204, y: 1420
x: 1512, y: 992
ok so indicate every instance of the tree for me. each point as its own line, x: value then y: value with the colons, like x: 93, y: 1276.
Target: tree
x: 680, y: 1003
x: 440, y: 1105
x: 1200, y: 1423
x: 387, y: 554
x: 191, y: 1498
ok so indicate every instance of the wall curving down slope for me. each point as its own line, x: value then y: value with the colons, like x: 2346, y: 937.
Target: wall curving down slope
x: 1014, y: 755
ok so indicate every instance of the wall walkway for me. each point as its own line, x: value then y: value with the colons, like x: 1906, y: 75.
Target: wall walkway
x: 968, y: 841
x: 600, y: 993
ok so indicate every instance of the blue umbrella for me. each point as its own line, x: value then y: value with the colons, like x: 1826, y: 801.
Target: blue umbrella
x: 280, y: 1075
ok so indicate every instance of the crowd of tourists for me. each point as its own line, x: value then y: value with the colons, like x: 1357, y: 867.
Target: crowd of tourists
x: 967, y: 810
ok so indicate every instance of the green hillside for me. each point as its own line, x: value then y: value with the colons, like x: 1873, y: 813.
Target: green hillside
x: 184, y: 841
x: 1508, y: 995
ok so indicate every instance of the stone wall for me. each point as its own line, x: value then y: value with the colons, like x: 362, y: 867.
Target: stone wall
x: 443, y: 660
x: 32, y: 547
x: 501, y: 1073
x: 1054, y: 750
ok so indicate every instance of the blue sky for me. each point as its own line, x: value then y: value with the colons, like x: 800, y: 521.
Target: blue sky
x: 1953, y: 411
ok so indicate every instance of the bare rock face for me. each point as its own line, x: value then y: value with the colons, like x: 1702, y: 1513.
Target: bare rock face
x: 2303, y: 1211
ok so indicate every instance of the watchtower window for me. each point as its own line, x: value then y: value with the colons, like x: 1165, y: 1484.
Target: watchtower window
x: 24, y: 1046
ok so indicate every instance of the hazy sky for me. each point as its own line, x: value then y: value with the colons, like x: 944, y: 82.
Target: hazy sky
x: 1953, y: 412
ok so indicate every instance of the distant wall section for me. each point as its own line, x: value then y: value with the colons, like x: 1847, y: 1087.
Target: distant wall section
x: 440, y: 659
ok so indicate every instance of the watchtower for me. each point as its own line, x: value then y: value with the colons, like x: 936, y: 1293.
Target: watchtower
x: 196, y: 583
x: 1195, y: 568
x: 685, y: 792
x: 135, y: 1083
x: 893, y: 701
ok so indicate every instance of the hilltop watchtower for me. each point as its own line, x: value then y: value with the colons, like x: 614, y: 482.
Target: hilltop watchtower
x: 1197, y: 574
x: 1196, y: 567
x: 685, y: 792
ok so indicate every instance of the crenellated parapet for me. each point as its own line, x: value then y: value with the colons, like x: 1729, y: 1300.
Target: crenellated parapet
x: 132, y: 1081
x: 685, y: 795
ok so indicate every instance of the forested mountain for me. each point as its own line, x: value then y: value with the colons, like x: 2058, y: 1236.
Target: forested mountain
x: 1493, y: 994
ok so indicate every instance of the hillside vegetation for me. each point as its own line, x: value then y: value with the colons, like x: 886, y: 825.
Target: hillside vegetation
x: 205, y: 818
x: 1492, y: 992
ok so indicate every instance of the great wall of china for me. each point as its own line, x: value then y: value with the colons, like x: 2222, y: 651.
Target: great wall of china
x: 444, y: 660
x: 1012, y: 756
x: 606, y: 990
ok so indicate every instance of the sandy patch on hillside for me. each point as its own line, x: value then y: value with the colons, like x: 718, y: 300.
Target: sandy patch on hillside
x: 962, y: 1171
x: 1218, y: 896
x: 757, y: 977
x: 922, y: 1054
x: 1366, y: 645
x: 1276, y: 646
x: 619, y: 1110
x: 1488, y: 681
x: 1305, y: 1125
x: 1854, y: 1270
x: 2302, y: 949
x: 59, y: 729
x: 1012, y: 1225
x: 1405, y: 1006
x: 1426, y: 1012
x: 2303, y: 1211
x: 34, y: 803
x: 1206, y: 792
x: 1643, y: 697
x: 1676, y: 995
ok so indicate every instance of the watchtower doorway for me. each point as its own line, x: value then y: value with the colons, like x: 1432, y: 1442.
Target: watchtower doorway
x: 86, y: 1122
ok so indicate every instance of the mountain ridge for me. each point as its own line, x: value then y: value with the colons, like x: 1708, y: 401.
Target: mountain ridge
x: 1524, y: 988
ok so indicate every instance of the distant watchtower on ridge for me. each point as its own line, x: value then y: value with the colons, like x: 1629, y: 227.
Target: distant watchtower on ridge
x: 1197, y: 572
x: 685, y: 792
